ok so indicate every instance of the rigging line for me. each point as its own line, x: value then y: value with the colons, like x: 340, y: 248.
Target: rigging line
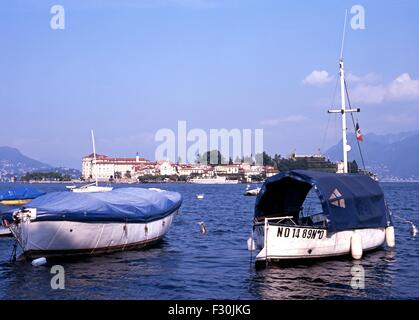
x: 353, y: 122
x: 343, y: 36
x: 330, y: 115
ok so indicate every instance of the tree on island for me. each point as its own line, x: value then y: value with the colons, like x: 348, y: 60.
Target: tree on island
x: 213, y: 157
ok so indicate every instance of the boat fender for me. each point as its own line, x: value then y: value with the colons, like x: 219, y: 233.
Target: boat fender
x: 356, y: 246
x: 39, y: 262
x: 251, y: 245
x: 390, y: 237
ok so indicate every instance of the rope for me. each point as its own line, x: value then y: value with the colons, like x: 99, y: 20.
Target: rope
x: 353, y: 122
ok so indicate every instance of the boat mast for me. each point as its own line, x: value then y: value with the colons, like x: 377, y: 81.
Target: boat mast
x: 345, y: 147
x: 94, y: 156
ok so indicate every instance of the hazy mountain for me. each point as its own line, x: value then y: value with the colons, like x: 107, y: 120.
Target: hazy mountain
x: 14, y: 163
x: 391, y: 155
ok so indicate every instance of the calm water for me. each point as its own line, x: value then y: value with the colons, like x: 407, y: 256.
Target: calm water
x: 189, y: 265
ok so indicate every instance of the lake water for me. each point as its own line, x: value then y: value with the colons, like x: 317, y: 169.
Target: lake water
x: 217, y: 265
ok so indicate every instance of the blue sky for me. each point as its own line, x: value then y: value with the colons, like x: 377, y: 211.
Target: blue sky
x: 129, y: 68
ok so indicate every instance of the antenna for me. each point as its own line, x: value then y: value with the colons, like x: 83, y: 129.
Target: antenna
x: 94, y: 156
x: 343, y: 36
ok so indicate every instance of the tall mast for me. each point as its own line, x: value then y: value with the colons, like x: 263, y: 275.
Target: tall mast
x: 346, y: 148
x: 94, y: 156
x: 343, y: 111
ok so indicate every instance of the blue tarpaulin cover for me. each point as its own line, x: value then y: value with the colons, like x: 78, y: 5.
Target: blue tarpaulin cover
x: 20, y: 193
x: 119, y: 205
x: 349, y: 201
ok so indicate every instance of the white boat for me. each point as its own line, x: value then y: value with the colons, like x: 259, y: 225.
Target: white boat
x: 65, y: 223
x: 4, y: 231
x: 351, y: 216
x: 91, y: 188
x: 94, y: 187
x: 252, y: 192
x: 200, y: 196
x: 216, y: 180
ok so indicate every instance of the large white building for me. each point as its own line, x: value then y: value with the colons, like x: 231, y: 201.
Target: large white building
x: 105, y: 168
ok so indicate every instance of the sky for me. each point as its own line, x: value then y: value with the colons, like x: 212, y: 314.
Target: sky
x: 129, y: 68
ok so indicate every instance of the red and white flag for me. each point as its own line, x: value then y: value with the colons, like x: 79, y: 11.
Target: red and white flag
x: 359, y: 135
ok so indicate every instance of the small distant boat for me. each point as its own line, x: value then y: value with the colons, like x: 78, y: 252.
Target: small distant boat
x: 91, y: 188
x: 216, y: 180
x: 200, y: 196
x: 17, y: 197
x: 65, y: 223
x: 252, y: 192
x: 94, y: 187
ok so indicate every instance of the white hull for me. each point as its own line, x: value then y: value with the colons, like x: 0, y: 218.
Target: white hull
x: 58, y: 238
x: 214, y: 181
x: 91, y: 188
x: 252, y: 192
x: 284, y: 245
x: 5, y: 232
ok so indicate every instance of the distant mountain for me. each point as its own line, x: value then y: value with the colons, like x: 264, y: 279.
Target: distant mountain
x: 390, y: 156
x: 14, y: 163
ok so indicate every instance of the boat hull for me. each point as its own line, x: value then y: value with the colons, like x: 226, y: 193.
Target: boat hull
x: 69, y: 238
x: 15, y: 202
x: 277, y: 246
x: 5, y: 232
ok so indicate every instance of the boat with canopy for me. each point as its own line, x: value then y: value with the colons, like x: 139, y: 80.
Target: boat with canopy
x: 67, y: 223
x: 350, y: 215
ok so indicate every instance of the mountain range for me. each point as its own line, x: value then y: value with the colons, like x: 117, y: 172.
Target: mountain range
x: 391, y: 156
x: 14, y: 163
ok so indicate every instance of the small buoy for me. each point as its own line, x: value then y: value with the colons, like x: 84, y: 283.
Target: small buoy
x: 202, y: 227
x: 39, y: 262
x: 251, y: 245
x: 356, y: 246
x: 390, y: 237
x: 414, y: 230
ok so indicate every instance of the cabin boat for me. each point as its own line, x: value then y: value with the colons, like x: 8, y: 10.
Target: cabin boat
x: 350, y: 217
x: 216, y: 180
x: 67, y: 223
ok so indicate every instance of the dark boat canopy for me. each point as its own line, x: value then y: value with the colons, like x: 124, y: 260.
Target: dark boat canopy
x: 349, y: 201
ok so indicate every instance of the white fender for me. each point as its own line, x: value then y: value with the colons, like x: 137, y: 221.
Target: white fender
x: 356, y: 246
x: 390, y: 237
x: 251, y: 245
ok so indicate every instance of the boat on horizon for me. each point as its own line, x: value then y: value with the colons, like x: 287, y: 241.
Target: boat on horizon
x: 93, y: 187
x: 65, y: 223
x: 216, y: 180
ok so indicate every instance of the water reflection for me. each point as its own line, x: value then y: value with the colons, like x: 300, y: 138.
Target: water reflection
x: 326, y: 279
